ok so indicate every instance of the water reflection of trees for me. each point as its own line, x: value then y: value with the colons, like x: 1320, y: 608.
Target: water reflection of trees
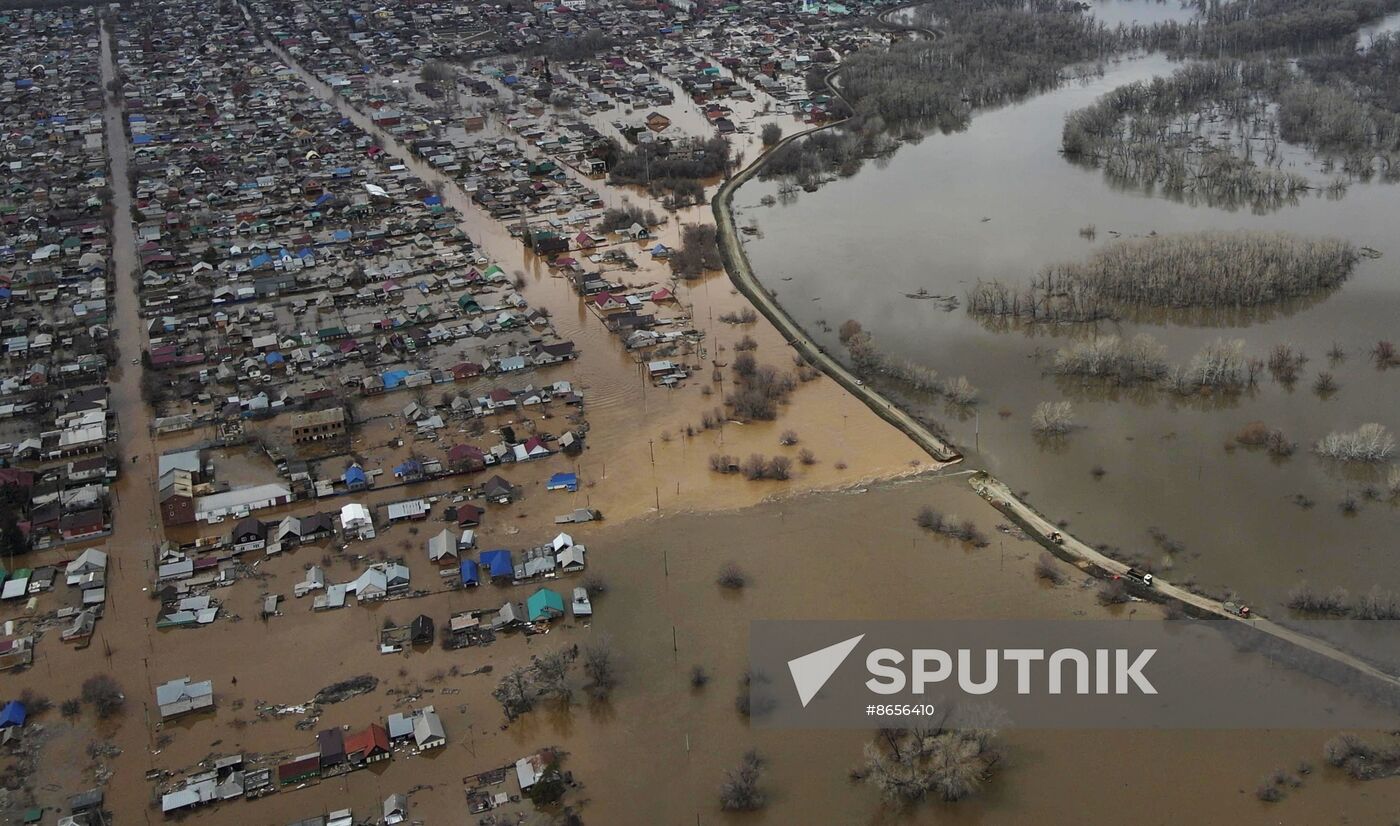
x: 1146, y: 395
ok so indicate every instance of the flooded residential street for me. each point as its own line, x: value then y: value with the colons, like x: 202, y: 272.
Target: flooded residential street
x: 637, y: 448
x: 124, y: 645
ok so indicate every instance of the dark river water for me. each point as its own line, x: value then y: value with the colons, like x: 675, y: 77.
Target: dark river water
x: 998, y: 201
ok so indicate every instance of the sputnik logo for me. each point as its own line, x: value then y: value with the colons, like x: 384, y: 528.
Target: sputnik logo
x: 811, y: 671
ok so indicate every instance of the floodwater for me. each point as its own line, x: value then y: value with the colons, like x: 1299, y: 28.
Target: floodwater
x: 1386, y: 25
x: 657, y: 751
x: 639, y: 458
x: 1140, y: 12
x: 998, y: 202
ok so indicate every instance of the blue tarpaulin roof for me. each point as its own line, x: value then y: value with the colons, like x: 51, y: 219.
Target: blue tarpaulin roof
x: 563, y: 481
x: 354, y: 474
x: 393, y: 378
x: 499, y: 562
x: 471, y: 575
x: 12, y: 714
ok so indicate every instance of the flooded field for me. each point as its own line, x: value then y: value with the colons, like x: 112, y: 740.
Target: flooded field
x: 998, y: 202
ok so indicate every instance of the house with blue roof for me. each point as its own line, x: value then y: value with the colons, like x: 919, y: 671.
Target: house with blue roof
x: 499, y: 563
x: 13, y: 714
x: 409, y: 470
x: 355, y: 478
x: 563, y: 481
x: 471, y: 573
x: 544, y: 604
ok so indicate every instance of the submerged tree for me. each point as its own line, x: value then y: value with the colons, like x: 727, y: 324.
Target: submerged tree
x: 910, y: 765
x: 740, y: 791
x: 1368, y: 443
x: 1207, y: 269
x: 1052, y: 418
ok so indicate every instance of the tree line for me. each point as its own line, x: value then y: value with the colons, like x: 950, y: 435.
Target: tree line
x: 1209, y: 269
x: 1155, y: 132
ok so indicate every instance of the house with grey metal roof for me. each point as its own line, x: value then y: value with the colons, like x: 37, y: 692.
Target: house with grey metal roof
x: 181, y: 696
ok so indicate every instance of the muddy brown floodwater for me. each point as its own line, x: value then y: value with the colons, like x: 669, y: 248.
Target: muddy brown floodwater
x: 656, y: 752
x: 998, y: 202
x: 638, y: 454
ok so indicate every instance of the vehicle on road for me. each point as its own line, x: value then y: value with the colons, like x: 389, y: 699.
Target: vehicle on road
x: 1238, y: 609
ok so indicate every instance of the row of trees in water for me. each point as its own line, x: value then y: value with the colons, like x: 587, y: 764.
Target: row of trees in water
x: 1209, y: 269
x: 989, y: 52
x: 1154, y: 132
x: 1239, y: 26
x: 1371, y: 69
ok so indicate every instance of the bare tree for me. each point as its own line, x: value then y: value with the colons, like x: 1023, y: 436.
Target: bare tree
x: 1052, y: 418
x: 740, y: 791
x: 1370, y: 443
x: 104, y: 694
x: 600, y: 666
x: 731, y: 577
x: 910, y: 765
x: 515, y: 693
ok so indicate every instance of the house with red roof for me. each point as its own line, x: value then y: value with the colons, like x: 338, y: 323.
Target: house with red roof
x: 466, y: 458
x: 609, y: 303
x: 368, y: 746
x: 465, y: 370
